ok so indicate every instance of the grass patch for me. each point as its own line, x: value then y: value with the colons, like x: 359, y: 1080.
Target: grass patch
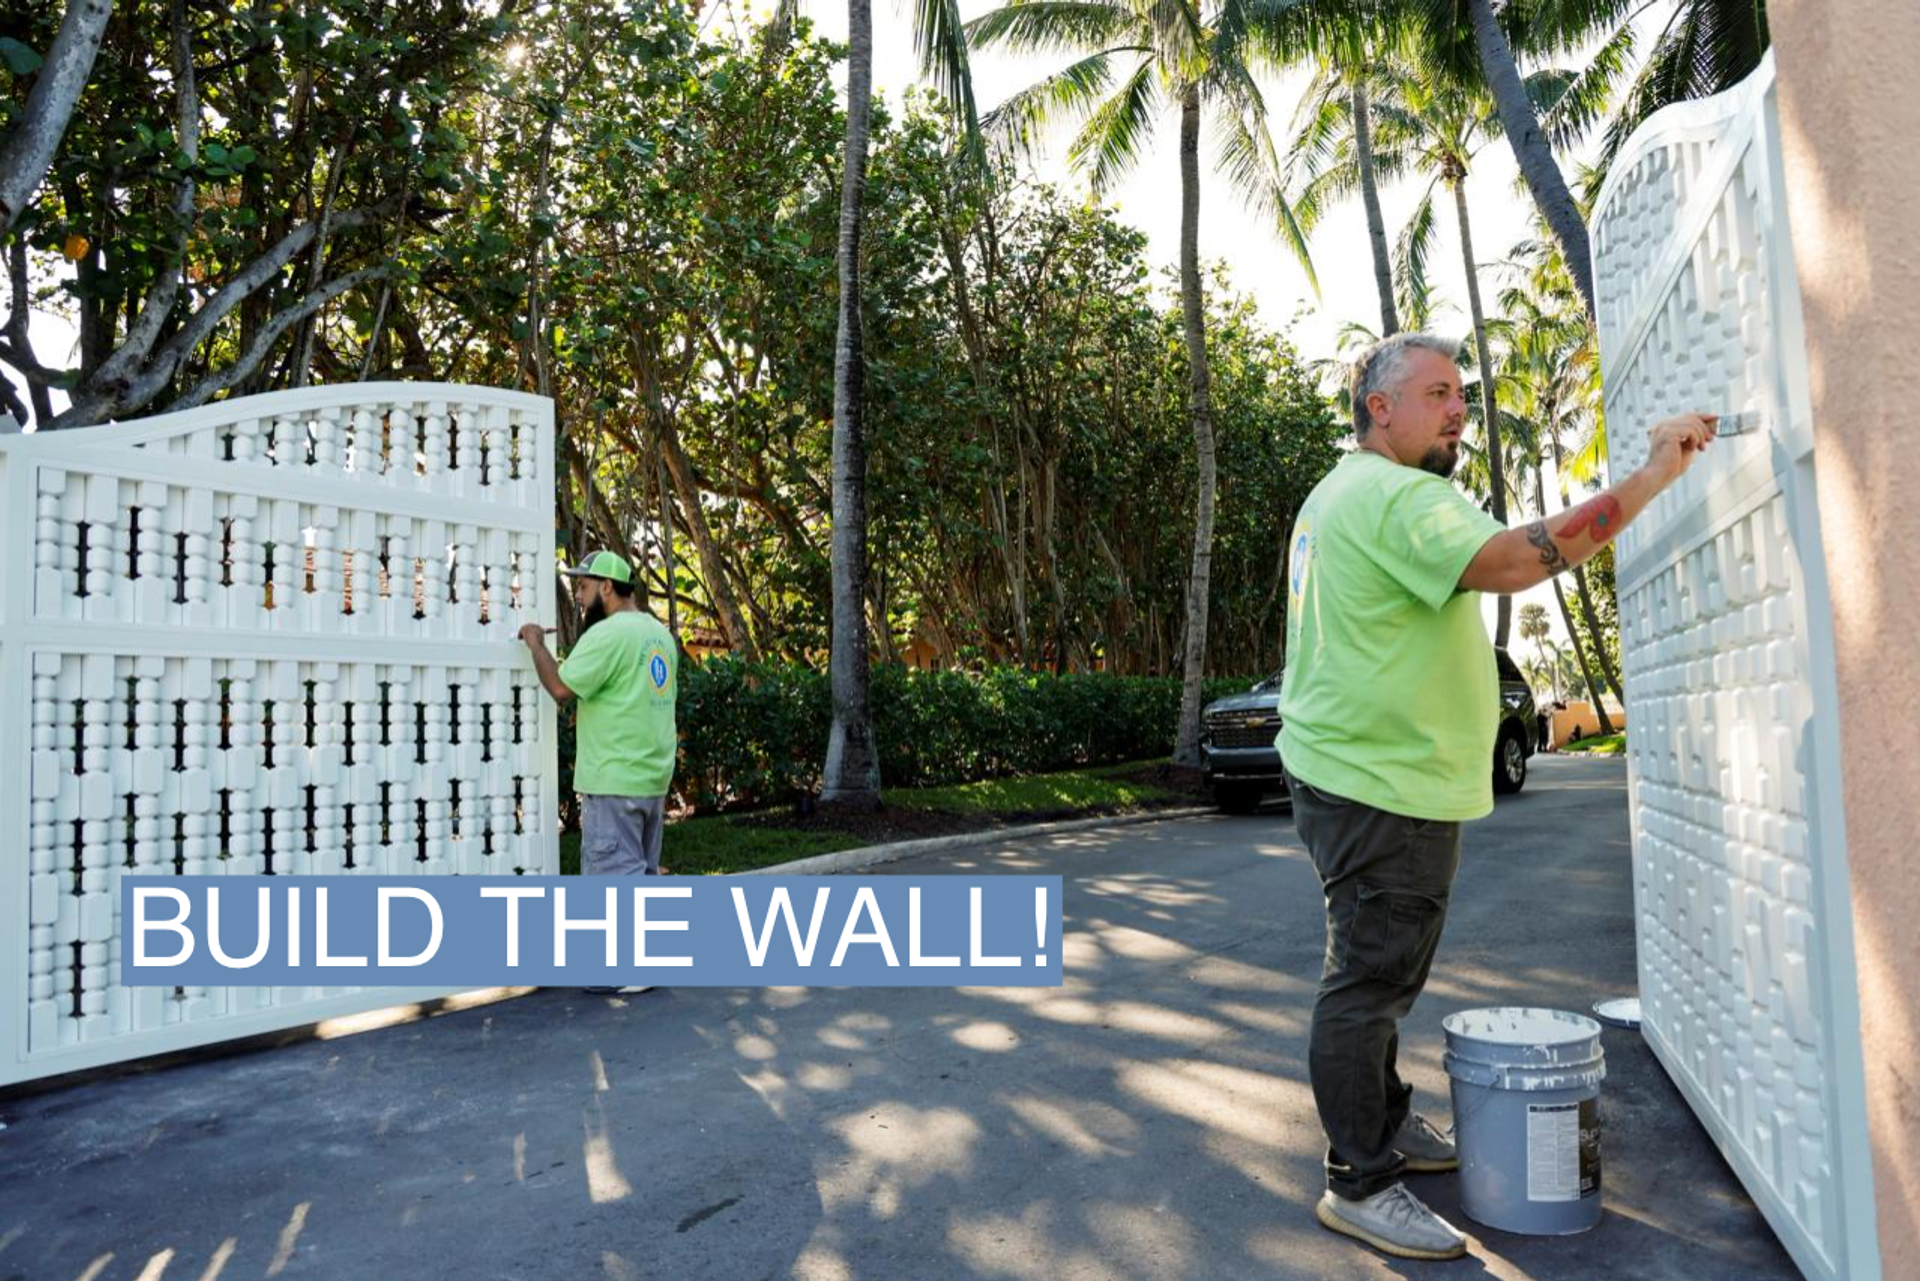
x: 1036, y: 793
x: 1606, y: 745
x: 724, y: 843
x: 709, y: 846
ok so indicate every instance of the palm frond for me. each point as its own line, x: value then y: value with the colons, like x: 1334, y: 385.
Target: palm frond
x: 1706, y: 48
x: 1072, y: 93
x: 1569, y: 102
x: 1248, y: 161
x: 1053, y: 26
x: 1410, y: 254
x: 1118, y: 130
x: 942, y: 41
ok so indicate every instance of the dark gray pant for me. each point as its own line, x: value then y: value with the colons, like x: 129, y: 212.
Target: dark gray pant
x: 1386, y: 879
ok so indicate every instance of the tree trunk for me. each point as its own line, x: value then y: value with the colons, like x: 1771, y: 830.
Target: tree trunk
x: 852, y: 771
x: 35, y: 139
x: 1584, y: 595
x: 732, y: 622
x: 1489, y: 399
x: 1566, y: 618
x: 1370, y: 197
x: 1186, y: 750
x: 666, y: 547
x: 1531, y: 149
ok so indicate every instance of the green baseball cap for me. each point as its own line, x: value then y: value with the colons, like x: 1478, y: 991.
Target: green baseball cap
x: 602, y: 565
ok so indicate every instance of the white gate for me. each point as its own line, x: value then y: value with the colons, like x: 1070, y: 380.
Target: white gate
x: 272, y: 635
x: 1740, y: 869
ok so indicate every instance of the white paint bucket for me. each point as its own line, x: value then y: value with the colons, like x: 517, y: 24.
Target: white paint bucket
x: 1526, y: 1117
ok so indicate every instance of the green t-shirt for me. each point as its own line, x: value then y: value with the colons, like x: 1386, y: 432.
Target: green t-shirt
x: 1391, y: 697
x: 623, y: 673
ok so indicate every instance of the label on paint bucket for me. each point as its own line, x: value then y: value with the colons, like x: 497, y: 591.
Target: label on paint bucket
x: 1563, y: 1151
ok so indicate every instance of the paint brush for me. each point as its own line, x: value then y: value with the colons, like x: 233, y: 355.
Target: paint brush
x: 1740, y: 424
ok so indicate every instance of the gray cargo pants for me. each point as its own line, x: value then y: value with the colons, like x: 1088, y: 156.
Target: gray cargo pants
x: 1387, y: 879
x: 620, y: 835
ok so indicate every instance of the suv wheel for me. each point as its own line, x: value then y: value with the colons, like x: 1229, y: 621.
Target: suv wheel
x: 1237, y: 798
x: 1510, y: 761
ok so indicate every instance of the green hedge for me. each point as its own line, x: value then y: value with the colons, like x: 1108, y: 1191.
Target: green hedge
x: 755, y: 733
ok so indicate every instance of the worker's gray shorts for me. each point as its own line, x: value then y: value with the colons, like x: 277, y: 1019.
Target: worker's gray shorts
x: 620, y: 835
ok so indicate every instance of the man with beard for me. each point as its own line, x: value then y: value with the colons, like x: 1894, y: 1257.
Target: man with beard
x: 622, y: 671
x: 1388, y: 714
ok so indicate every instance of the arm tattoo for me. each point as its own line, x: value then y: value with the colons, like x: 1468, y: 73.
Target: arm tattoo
x: 1549, y: 550
x: 1601, y: 515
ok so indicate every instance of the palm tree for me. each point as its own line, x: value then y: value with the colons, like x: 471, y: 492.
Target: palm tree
x: 851, y: 773
x: 1706, y: 46
x: 1432, y: 122
x: 1535, y: 627
x: 1173, y: 57
x: 1552, y: 386
x: 1335, y: 121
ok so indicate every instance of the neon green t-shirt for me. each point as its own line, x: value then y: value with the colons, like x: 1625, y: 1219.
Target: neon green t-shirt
x: 1391, y: 697
x: 623, y: 672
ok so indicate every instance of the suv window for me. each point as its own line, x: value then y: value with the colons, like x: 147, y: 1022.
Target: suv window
x: 1509, y: 670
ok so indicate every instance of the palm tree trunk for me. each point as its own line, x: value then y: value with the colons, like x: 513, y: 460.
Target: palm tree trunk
x: 1531, y: 149
x: 1370, y: 197
x: 1566, y: 618
x: 1489, y: 400
x: 852, y: 771
x: 1584, y: 595
x: 1186, y: 750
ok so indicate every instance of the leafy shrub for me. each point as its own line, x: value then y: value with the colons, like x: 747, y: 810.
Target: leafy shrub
x: 754, y: 734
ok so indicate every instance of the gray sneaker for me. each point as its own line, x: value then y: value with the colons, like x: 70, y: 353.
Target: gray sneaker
x: 1394, y: 1221
x: 1427, y: 1150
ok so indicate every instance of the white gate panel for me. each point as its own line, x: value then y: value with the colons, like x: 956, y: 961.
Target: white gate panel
x: 1740, y: 881
x: 274, y: 635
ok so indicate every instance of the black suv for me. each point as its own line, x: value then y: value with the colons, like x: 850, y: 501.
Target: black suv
x: 1238, y: 733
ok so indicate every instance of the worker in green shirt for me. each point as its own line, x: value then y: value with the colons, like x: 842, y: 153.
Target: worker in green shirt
x: 1388, y: 715
x: 622, y: 672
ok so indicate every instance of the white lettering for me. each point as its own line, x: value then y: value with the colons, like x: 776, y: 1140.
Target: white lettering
x: 513, y: 894
x: 865, y: 902
x: 780, y: 905
x: 913, y: 934
x: 604, y: 925
x: 320, y: 956
x: 388, y: 893
x: 178, y: 925
x: 259, y: 944
x: 978, y: 959
x: 641, y: 925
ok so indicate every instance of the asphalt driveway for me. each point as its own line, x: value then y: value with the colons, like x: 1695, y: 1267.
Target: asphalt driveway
x: 1150, y: 1119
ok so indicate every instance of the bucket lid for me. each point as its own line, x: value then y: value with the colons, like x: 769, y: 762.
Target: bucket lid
x: 1513, y: 1035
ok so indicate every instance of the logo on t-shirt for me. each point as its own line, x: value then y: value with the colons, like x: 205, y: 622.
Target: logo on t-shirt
x: 657, y: 669
x: 1301, y: 560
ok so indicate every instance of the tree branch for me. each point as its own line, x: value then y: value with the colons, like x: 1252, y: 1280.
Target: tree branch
x: 25, y: 158
x: 159, y: 304
x: 100, y: 397
x: 215, y: 383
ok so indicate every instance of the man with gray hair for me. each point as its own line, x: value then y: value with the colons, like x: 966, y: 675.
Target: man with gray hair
x: 1388, y: 713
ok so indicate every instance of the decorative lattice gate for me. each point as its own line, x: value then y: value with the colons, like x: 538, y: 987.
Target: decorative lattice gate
x: 273, y: 635
x: 1740, y: 869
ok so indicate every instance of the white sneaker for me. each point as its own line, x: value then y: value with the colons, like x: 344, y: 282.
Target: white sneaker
x: 1426, y: 1149
x: 1394, y: 1221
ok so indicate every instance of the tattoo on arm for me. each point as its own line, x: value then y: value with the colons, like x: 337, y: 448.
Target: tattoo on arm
x: 1598, y: 516
x: 1549, y: 550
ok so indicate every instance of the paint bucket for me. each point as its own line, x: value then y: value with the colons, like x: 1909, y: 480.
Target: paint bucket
x: 1526, y: 1117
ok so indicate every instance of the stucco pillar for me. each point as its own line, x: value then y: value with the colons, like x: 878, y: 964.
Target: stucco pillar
x: 1850, y: 135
